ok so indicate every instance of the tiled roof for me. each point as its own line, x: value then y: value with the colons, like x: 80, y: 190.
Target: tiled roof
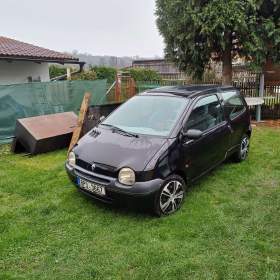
x: 10, y: 48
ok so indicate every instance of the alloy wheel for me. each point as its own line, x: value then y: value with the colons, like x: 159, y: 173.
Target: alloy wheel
x: 171, y: 197
x: 244, y: 148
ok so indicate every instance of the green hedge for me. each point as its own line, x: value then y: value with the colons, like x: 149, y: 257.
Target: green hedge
x: 142, y: 74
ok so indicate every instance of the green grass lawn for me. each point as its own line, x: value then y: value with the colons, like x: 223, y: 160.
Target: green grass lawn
x: 228, y: 228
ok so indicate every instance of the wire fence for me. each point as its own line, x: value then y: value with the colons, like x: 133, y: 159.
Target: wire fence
x: 26, y: 100
x: 248, y: 86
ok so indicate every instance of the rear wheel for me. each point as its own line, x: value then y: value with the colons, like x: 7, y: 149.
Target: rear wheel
x: 170, y: 197
x: 243, y: 150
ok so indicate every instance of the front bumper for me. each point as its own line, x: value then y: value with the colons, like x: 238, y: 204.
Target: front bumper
x: 142, y: 193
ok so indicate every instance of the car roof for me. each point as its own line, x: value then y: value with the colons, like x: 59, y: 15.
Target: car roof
x: 188, y: 90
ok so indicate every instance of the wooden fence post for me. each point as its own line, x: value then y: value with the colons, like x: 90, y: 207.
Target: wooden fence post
x: 132, y: 87
x: 118, y: 88
x: 68, y: 73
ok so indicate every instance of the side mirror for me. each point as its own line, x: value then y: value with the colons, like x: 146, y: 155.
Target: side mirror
x: 193, y: 134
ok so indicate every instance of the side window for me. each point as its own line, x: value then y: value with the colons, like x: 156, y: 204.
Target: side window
x: 206, y: 114
x: 233, y: 104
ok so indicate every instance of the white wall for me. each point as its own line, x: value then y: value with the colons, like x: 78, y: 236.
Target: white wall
x: 17, y: 72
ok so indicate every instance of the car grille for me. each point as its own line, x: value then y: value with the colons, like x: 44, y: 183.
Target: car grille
x: 99, y: 168
x: 96, y: 179
x: 83, y: 164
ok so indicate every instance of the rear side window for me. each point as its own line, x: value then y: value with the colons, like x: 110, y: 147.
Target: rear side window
x: 233, y: 104
x: 206, y: 114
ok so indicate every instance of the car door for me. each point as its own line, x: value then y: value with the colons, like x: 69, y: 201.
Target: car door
x: 235, y: 113
x: 201, y: 154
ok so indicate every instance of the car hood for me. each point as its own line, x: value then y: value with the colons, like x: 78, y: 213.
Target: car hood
x: 110, y: 148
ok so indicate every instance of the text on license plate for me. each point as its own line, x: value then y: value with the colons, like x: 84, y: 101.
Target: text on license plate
x: 91, y: 187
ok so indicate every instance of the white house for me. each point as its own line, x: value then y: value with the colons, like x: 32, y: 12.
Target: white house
x: 22, y: 63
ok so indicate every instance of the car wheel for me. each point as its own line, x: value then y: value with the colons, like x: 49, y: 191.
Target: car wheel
x: 170, y: 196
x: 243, y: 150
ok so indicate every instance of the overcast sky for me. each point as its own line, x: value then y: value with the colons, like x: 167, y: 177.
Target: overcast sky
x: 98, y: 27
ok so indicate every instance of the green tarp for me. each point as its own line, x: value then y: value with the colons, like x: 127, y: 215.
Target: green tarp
x: 33, y: 99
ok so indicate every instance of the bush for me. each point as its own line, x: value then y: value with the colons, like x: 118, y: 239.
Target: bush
x: 88, y: 75
x: 96, y: 72
x: 109, y: 73
x: 56, y: 71
x: 103, y: 72
x: 142, y: 74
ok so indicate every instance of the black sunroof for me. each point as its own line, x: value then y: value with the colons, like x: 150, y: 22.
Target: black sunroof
x: 185, y: 90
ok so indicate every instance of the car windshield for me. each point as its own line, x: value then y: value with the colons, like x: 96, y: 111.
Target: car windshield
x: 150, y: 115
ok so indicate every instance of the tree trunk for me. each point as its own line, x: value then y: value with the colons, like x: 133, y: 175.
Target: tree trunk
x: 227, y: 67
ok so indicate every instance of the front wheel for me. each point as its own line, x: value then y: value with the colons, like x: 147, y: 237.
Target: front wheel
x: 170, y: 197
x: 243, y: 150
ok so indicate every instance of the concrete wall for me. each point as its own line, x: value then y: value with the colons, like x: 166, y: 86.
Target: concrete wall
x: 17, y: 72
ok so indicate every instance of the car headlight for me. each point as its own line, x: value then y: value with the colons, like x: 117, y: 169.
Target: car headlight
x: 127, y: 176
x: 72, y: 158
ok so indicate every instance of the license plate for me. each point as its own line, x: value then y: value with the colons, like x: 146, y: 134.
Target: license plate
x: 91, y: 187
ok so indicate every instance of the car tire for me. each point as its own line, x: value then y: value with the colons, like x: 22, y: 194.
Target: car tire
x: 170, y: 197
x: 243, y: 149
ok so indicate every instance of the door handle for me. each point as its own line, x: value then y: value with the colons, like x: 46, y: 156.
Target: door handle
x: 188, y: 142
x: 185, y: 143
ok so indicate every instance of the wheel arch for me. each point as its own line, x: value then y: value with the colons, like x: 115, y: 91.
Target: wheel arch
x: 249, y: 132
x: 182, y: 174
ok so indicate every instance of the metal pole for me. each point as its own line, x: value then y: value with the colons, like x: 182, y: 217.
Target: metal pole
x: 261, y: 94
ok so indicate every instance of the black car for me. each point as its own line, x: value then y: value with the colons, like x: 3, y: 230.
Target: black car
x: 156, y: 143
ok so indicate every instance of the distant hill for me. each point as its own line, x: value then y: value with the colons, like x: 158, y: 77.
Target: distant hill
x: 112, y: 61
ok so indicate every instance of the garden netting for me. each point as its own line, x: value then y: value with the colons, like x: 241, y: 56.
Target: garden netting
x: 34, y: 99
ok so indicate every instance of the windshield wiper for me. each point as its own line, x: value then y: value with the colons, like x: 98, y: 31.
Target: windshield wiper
x: 121, y: 131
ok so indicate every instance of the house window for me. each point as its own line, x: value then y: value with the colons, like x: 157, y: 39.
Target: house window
x: 30, y: 79
x: 37, y: 79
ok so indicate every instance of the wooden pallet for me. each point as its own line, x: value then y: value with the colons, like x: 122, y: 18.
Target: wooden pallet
x: 77, y: 133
